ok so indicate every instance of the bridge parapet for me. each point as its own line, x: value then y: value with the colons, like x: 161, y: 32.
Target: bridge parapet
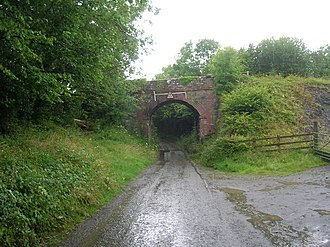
x: 199, y: 83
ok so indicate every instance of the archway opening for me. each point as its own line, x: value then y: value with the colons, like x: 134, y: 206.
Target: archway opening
x: 174, y: 119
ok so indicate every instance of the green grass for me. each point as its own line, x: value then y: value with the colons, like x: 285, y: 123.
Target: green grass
x: 269, y: 164
x: 53, y: 178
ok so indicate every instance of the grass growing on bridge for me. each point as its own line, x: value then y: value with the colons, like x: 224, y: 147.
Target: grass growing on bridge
x: 51, y: 179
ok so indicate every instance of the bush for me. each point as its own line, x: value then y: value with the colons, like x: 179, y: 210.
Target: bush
x: 189, y: 142
x: 246, y: 109
x: 220, y: 149
x: 259, y: 107
x: 51, y: 178
x: 34, y: 185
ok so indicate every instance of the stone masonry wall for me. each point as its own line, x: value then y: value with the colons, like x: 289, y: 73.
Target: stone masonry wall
x: 319, y: 110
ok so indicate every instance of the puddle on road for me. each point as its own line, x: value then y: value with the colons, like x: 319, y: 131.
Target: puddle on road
x: 284, y: 184
x: 270, y: 225
x: 268, y: 189
x: 322, y: 211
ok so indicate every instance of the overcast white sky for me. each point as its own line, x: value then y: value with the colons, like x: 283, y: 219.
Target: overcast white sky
x: 235, y: 23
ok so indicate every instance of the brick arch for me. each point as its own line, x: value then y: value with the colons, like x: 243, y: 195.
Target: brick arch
x: 182, y: 102
x: 198, y: 95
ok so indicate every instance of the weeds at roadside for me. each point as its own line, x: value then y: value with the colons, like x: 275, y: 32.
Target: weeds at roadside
x: 52, y: 179
x: 285, y: 163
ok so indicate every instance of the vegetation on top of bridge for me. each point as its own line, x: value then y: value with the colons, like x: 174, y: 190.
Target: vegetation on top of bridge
x: 284, y: 56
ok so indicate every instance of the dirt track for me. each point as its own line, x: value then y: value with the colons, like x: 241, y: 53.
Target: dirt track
x: 176, y: 203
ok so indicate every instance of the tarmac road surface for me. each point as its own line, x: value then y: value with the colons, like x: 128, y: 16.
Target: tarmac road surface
x: 176, y: 203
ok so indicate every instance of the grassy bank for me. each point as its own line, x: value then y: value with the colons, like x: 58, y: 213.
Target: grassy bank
x: 242, y: 159
x: 262, y: 163
x: 285, y: 163
x: 53, y: 178
x: 259, y: 107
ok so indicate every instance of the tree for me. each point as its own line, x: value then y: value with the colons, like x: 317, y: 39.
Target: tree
x: 249, y: 58
x: 321, y: 62
x: 226, y: 67
x: 55, y: 53
x: 191, y: 61
x: 22, y: 73
x: 205, y: 50
x: 285, y: 56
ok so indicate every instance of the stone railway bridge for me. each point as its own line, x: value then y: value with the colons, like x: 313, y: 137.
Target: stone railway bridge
x: 198, y: 95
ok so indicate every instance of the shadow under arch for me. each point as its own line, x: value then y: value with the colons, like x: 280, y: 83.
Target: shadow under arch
x: 195, y: 112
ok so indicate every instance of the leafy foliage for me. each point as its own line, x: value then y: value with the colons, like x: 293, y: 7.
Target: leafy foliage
x: 52, y: 179
x: 60, y: 53
x: 262, y: 106
x: 191, y: 61
x: 226, y: 68
x: 245, y: 109
x: 321, y: 62
x: 189, y: 142
x: 219, y: 149
x: 284, y: 56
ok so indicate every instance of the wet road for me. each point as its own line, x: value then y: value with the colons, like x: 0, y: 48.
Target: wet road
x: 175, y: 203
